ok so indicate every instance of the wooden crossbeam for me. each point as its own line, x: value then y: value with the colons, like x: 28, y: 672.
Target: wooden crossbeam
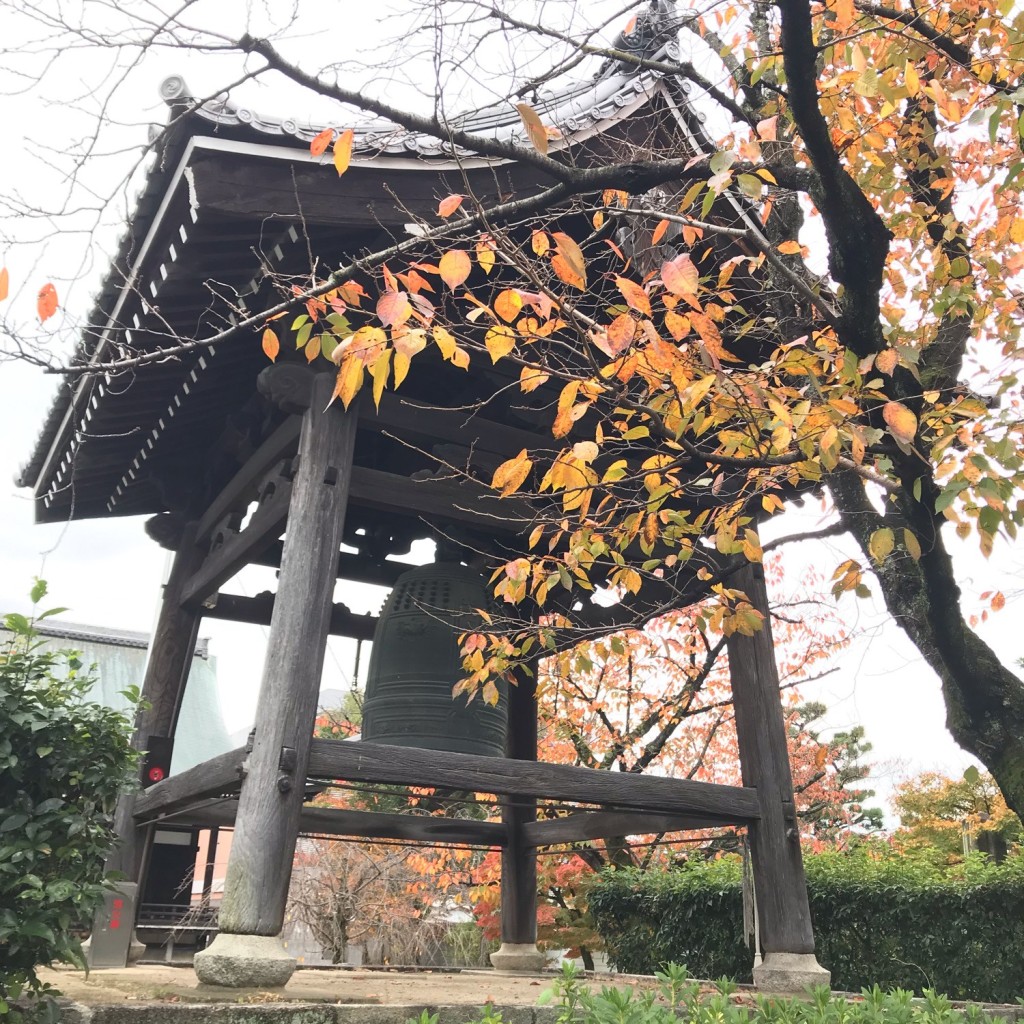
x: 238, y: 550
x: 221, y: 774
x: 242, y: 487
x: 334, y: 821
x: 410, y: 766
x: 259, y: 609
x: 584, y: 825
x: 357, y: 568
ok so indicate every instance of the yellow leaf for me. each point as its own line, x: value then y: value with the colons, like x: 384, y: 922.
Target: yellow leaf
x: 445, y: 341
x: 321, y: 141
x: 499, y: 341
x: 380, y: 371
x: 343, y: 151
x: 902, y: 423
x: 349, y: 380
x: 508, y: 304
x: 402, y: 362
x: 535, y: 129
x: 880, y: 544
x: 540, y: 243
x: 312, y: 349
x: 789, y: 248
x: 485, y: 255
x: 455, y: 267
x: 449, y: 205
x: 460, y: 358
x: 531, y: 378
x: 911, y: 543
x: 677, y: 325
x: 271, y: 346
x: 511, y: 475
x: 910, y: 76
x: 5, y: 283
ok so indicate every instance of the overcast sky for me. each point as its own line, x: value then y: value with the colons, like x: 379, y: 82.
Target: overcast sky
x: 108, y: 573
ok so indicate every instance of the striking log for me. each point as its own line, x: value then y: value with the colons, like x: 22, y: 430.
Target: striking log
x: 333, y: 821
x: 408, y: 766
x: 271, y: 802
x: 586, y: 825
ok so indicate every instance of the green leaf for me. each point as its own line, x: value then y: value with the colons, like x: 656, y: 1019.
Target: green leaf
x: 38, y: 591
x: 13, y: 821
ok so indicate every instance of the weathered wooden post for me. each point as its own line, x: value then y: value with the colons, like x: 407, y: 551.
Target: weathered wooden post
x: 163, y: 688
x: 780, y: 887
x: 518, y: 950
x: 248, y: 949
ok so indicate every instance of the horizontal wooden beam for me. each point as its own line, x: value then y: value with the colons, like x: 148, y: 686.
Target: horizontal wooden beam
x: 462, y: 501
x: 585, y: 825
x: 357, y: 568
x: 333, y: 821
x: 432, y: 423
x: 219, y: 775
x: 259, y: 609
x: 411, y: 766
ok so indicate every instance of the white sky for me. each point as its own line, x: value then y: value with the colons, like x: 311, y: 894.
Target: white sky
x: 108, y: 572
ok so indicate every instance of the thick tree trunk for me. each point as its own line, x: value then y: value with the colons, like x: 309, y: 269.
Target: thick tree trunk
x: 984, y: 700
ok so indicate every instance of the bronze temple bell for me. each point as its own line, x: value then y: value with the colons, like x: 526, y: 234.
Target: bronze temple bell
x: 416, y: 661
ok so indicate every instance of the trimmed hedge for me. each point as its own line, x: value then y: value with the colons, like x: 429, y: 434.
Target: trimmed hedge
x: 886, y: 921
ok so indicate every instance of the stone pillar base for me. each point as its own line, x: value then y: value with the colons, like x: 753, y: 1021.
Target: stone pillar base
x: 244, y: 961
x: 789, y: 972
x: 521, y: 957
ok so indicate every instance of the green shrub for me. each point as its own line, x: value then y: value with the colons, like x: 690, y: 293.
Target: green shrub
x: 887, y: 921
x: 63, y: 762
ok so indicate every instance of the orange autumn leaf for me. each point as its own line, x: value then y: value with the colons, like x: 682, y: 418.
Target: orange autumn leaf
x: 659, y: 232
x: 636, y: 298
x: 5, y: 283
x: 901, y: 421
x: 790, y: 247
x: 321, y: 141
x: 455, y: 267
x: 535, y: 130
x: 449, y: 205
x: 46, y: 302
x: 394, y: 308
x: 680, y: 276
x: 571, y: 254
x: 271, y: 346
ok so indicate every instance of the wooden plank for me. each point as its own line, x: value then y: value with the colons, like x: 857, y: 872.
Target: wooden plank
x: 221, y: 774
x: 259, y: 611
x: 463, y: 501
x: 242, y: 487
x: 265, y: 526
x: 267, y: 826
x: 410, y: 766
x: 783, y: 910
x: 333, y: 821
x: 357, y: 568
x: 587, y: 825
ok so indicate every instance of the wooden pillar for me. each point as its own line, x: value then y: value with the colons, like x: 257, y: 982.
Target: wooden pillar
x: 781, y: 890
x: 259, y: 868
x: 518, y: 860
x: 169, y: 661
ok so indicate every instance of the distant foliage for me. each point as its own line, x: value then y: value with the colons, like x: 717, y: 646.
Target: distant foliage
x: 63, y: 763
x: 879, y: 920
